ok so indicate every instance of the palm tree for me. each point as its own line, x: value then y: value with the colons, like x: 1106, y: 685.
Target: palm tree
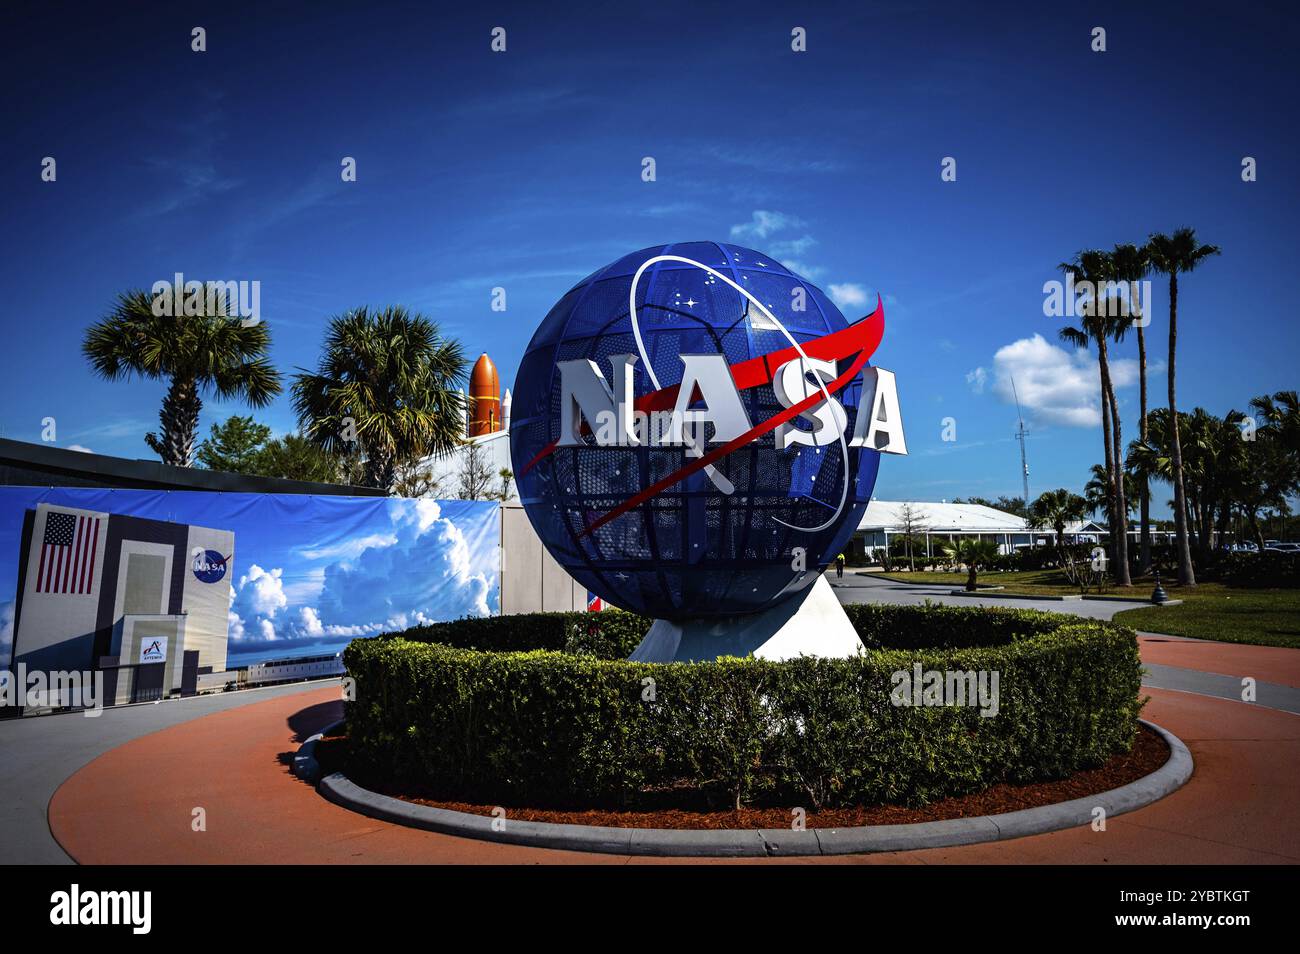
x: 1099, y: 325
x: 208, y: 354
x: 1097, y: 490
x: 1056, y: 509
x: 388, y: 381
x: 1281, y: 413
x: 1131, y: 265
x: 973, y: 552
x: 1173, y: 255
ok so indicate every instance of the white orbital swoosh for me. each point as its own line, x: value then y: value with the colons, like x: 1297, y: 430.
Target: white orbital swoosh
x: 803, y: 357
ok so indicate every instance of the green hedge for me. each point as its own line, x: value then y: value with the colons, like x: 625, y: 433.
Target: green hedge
x: 546, y: 728
x: 611, y: 634
x: 1267, y: 570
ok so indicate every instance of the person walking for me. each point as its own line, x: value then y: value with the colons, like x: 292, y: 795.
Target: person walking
x: 839, y: 567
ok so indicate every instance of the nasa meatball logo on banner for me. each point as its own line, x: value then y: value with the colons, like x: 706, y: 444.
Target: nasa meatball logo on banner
x: 209, y: 566
x: 699, y: 430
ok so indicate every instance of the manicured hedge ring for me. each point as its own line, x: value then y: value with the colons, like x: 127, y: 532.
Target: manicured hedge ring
x: 547, y: 728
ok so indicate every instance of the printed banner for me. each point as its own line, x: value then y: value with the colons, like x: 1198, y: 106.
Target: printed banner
x: 87, y: 573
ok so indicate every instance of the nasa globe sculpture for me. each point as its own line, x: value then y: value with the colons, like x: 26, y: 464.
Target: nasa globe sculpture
x: 697, y: 433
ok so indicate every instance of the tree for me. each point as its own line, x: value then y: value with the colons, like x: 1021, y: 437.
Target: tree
x: 972, y: 552
x: 1097, y: 491
x: 1131, y: 265
x: 208, y: 354
x: 295, y: 457
x: 1174, y: 255
x: 1099, y: 325
x: 507, y: 478
x: 234, y: 445
x: 912, y: 523
x: 413, y: 479
x: 1056, y: 509
x: 389, y: 381
x: 475, y: 474
x: 1271, y: 469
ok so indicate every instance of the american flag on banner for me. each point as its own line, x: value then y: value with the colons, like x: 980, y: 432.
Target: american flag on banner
x: 68, y: 552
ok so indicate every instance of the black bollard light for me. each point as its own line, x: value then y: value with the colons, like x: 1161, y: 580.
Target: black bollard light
x: 1158, y: 595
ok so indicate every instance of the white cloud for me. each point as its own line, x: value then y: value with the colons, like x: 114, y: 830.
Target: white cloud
x: 431, y: 567
x: 791, y: 247
x: 1055, y: 385
x: 426, y: 568
x: 349, y: 548
x: 763, y: 223
x: 848, y: 294
x: 79, y: 449
x: 310, y: 622
x: 260, y: 592
x: 803, y: 269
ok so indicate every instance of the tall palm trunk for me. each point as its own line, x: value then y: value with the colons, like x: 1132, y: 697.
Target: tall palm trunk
x: 380, y: 470
x: 1119, y: 523
x: 1122, y: 577
x: 1109, y: 462
x: 1186, y: 573
x: 1144, y: 489
x: 179, y: 424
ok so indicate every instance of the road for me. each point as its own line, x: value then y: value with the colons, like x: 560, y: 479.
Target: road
x: 867, y: 588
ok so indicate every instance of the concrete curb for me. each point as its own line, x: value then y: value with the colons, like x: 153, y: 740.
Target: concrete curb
x: 1018, y: 596
x: 305, y: 765
x: 1065, y: 598
x: 732, y: 843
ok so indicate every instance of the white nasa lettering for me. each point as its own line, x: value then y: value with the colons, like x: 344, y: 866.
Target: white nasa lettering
x: 584, y: 392
x: 610, y: 409
x: 708, y: 373
x: 881, y: 428
x: 792, y: 385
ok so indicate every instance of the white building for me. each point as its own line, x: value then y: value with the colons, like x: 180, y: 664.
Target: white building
x: 938, y: 523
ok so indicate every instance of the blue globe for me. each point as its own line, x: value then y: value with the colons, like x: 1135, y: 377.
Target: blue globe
x: 754, y: 527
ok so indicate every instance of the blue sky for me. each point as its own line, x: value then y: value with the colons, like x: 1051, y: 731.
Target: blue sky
x: 522, y: 170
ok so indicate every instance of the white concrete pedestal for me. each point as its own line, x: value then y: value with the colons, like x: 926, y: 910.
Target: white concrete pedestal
x: 810, y: 623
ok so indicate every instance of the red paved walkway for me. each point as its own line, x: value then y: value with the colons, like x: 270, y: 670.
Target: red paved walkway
x: 1278, y: 665
x: 134, y: 805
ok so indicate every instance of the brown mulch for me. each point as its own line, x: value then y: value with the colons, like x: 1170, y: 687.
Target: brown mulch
x: 1148, y: 754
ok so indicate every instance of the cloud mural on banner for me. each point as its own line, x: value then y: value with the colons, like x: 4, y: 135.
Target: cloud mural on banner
x: 6, y: 629
x: 421, y: 569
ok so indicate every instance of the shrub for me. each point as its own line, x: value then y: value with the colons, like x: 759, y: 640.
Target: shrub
x: 1265, y: 570
x: 546, y: 728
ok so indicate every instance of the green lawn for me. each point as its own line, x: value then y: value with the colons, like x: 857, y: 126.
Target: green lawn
x: 1209, y: 611
x: 1034, y: 582
x: 1213, y: 611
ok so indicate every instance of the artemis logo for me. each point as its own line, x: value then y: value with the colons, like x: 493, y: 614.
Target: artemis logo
x: 75, y: 907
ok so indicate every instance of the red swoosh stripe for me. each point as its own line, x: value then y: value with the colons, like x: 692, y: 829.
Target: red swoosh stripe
x: 753, y: 433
